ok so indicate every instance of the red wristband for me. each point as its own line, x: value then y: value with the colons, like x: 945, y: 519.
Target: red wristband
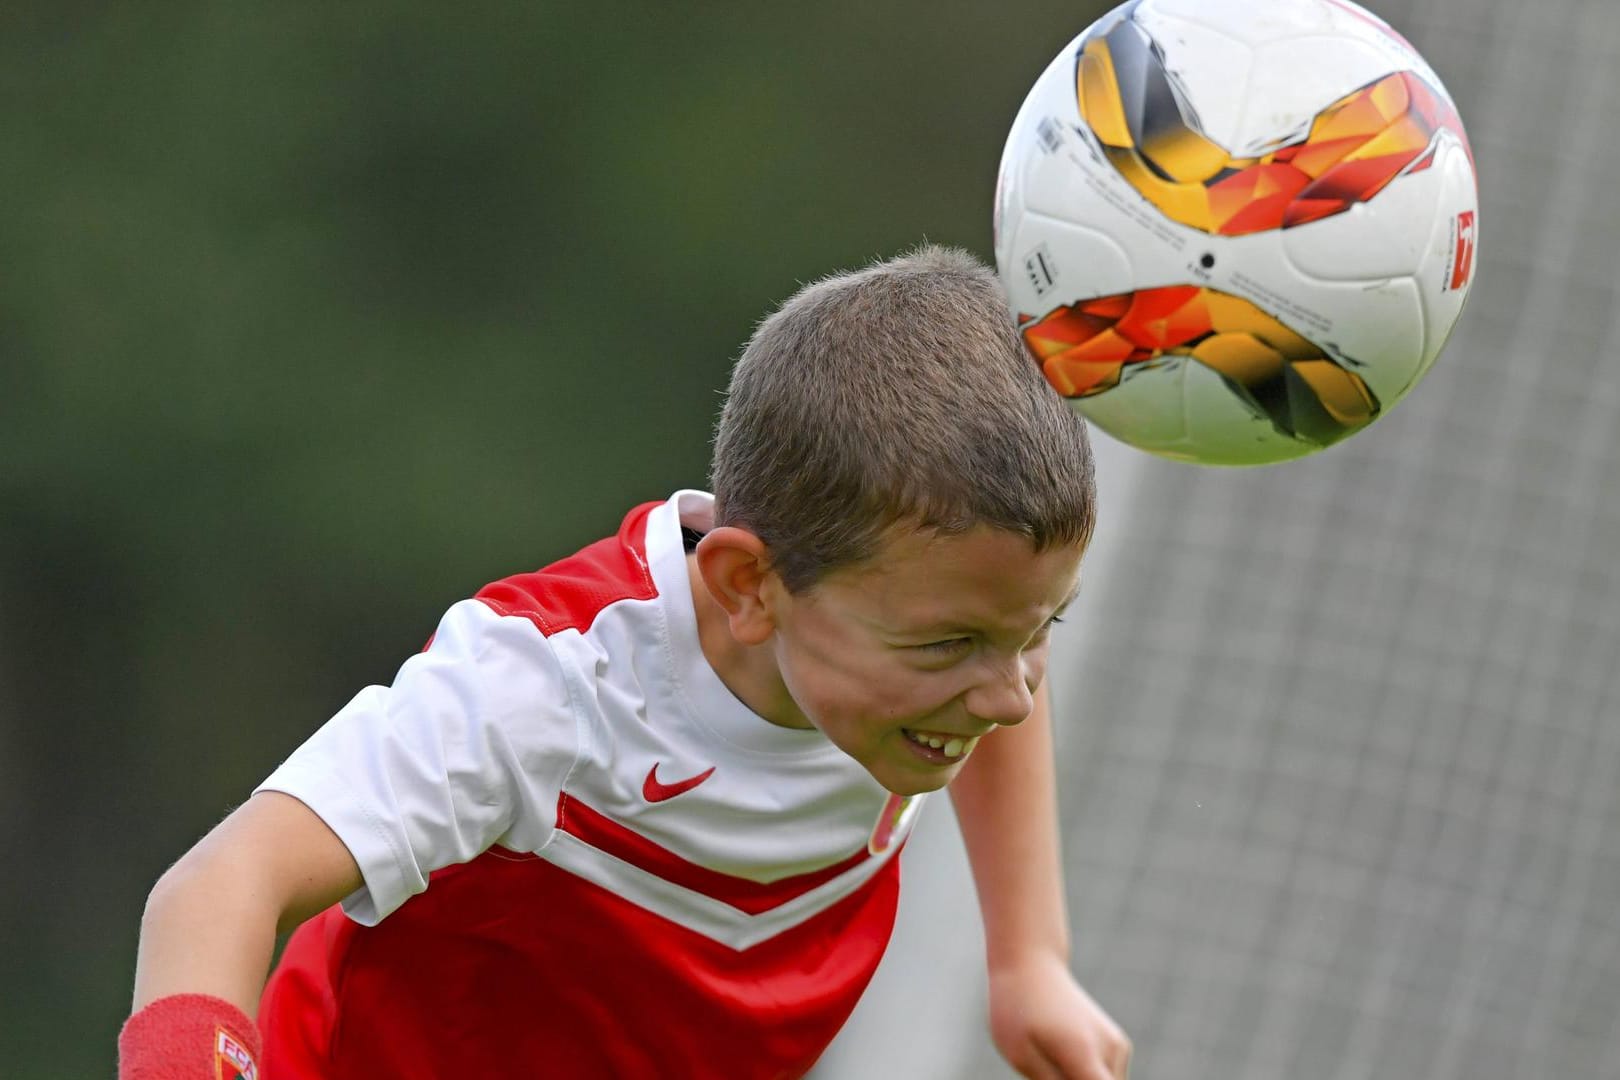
x: 189, y: 1037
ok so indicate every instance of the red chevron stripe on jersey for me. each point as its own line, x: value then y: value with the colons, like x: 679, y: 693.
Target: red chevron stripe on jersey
x: 753, y: 897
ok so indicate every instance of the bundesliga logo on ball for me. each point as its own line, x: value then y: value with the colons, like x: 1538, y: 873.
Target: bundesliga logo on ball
x: 1236, y: 232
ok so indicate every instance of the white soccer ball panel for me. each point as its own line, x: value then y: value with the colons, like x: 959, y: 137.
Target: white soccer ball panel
x: 1018, y: 156
x: 1138, y: 410
x: 1386, y: 237
x: 1062, y: 260
x: 1452, y: 257
x: 1257, y: 74
x: 1378, y: 329
x: 1181, y: 410
x: 1227, y: 432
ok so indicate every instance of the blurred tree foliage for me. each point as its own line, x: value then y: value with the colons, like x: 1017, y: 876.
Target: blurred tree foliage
x: 315, y: 318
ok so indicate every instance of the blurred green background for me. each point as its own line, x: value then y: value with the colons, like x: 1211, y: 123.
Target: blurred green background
x: 316, y: 318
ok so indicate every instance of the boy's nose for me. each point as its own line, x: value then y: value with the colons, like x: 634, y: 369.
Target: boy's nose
x: 1003, y: 696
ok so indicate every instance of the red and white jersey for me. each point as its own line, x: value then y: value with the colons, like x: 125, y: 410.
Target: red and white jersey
x: 632, y: 874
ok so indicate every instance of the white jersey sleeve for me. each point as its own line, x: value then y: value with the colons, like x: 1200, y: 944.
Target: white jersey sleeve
x: 468, y: 748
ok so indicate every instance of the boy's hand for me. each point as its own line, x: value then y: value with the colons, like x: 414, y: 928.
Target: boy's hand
x: 1049, y: 1028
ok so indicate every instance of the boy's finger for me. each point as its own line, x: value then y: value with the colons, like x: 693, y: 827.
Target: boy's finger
x: 1119, y: 1059
x: 1074, y: 1062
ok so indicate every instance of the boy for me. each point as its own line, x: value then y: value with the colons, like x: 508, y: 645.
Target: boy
x: 659, y: 787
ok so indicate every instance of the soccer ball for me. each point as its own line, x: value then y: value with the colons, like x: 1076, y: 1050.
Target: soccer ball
x: 1236, y: 231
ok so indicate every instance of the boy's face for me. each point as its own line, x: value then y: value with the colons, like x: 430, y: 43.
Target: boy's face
x: 907, y: 659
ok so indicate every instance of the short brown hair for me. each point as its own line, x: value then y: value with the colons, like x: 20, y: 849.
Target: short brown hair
x: 896, y: 394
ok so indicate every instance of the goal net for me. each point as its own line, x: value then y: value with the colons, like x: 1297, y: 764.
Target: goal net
x: 1340, y: 739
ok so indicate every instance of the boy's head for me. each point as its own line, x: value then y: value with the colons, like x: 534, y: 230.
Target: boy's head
x: 896, y: 395
x: 901, y: 507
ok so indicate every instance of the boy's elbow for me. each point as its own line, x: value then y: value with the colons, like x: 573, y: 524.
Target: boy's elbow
x: 191, y: 888
x: 203, y: 932
x: 269, y: 865
x: 181, y: 891
x: 170, y: 888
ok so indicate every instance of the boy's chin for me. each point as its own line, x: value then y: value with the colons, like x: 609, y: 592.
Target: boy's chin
x: 906, y: 782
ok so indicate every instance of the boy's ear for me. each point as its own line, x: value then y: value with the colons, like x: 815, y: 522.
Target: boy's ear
x: 735, y: 567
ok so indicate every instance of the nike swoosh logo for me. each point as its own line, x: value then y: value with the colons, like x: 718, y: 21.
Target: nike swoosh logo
x: 654, y: 791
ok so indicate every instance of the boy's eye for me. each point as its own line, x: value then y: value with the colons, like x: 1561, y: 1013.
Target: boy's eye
x: 956, y: 644
x: 1044, y: 634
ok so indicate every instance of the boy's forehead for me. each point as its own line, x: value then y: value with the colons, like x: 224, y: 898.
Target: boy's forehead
x: 906, y: 546
x: 921, y: 570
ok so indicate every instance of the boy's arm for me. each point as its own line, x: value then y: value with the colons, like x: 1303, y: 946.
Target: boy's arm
x: 210, y: 929
x: 1006, y: 803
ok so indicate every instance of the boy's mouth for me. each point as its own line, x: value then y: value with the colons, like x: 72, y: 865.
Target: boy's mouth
x: 952, y: 746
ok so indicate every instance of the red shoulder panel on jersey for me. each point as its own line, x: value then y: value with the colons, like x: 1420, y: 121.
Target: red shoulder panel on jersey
x: 568, y: 594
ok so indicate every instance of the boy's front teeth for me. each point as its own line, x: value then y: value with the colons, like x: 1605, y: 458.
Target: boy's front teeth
x: 950, y: 745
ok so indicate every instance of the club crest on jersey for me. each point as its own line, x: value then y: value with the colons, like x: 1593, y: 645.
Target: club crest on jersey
x: 893, y: 822
x: 231, y: 1059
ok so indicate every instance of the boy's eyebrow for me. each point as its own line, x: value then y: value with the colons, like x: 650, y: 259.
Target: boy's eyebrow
x: 1074, y: 594
x: 949, y: 625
